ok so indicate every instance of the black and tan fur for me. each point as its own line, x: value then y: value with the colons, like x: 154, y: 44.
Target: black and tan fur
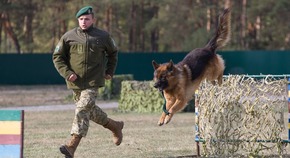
x: 180, y: 81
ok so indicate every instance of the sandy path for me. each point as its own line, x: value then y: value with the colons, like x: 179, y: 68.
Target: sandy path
x: 103, y: 105
x: 41, y: 98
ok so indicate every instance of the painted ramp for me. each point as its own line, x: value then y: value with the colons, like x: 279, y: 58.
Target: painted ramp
x: 11, y: 133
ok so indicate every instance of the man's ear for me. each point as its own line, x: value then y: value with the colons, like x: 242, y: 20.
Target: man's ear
x: 155, y: 65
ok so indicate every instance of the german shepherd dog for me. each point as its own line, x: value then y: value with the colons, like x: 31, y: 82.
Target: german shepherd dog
x: 178, y: 82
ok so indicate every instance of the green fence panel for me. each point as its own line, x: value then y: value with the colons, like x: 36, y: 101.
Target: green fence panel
x: 28, y: 69
x: 257, y: 62
x: 237, y: 62
x: 140, y: 64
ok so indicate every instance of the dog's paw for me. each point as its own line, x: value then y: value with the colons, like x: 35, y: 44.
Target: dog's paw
x: 168, y: 118
x: 160, y: 123
x: 161, y: 120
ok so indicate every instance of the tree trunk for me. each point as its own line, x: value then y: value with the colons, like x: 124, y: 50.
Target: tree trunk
x: 208, y: 22
x: 28, y: 27
x: 9, y: 30
x: 141, y: 28
x: 108, y: 18
x: 243, y: 24
x: 132, y: 33
x: 227, y: 4
x: 155, y: 32
x: 0, y: 34
x: 258, y: 27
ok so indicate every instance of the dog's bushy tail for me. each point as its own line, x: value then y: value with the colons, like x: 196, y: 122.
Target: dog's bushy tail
x: 223, y: 31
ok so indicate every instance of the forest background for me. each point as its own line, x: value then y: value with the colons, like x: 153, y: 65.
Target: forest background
x: 33, y: 26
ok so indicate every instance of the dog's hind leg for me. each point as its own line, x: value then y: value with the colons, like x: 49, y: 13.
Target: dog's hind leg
x: 220, y: 79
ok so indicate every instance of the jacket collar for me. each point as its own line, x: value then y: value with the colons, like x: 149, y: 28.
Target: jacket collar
x: 86, y: 30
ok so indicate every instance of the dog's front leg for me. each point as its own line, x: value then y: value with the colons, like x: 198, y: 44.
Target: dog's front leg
x: 161, y: 119
x: 178, y: 105
x: 169, y: 103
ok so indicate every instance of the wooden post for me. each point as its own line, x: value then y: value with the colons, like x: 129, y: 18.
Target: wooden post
x: 289, y: 109
x: 197, y: 136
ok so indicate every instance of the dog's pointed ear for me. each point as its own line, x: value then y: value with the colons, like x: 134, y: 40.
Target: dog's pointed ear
x: 170, y: 66
x: 171, y: 62
x: 155, y: 65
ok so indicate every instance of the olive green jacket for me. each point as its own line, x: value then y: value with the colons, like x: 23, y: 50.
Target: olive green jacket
x: 90, y: 54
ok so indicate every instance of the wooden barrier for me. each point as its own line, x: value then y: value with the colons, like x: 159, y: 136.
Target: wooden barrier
x: 11, y: 133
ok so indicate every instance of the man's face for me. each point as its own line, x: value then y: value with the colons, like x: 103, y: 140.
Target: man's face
x: 85, y: 21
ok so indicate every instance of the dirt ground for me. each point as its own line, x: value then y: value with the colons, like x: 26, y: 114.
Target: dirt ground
x: 34, y: 95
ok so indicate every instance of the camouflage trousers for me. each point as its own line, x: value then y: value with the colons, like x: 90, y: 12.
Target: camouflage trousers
x: 86, y: 110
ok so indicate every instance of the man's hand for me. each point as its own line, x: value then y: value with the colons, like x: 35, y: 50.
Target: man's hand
x: 72, y: 77
x: 108, y: 77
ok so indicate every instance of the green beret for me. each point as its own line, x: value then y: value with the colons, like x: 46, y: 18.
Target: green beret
x: 84, y: 11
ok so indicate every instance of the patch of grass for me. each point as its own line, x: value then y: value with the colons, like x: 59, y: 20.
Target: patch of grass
x: 46, y: 131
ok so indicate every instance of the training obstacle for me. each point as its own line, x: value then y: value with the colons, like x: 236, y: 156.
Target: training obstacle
x: 199, y: 140
x: 11, y: 133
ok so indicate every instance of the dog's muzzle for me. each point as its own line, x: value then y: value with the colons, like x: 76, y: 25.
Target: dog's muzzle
x: 161, y: 85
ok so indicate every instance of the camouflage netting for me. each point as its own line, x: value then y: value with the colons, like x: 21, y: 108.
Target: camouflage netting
x: 137, y: 96
x: 236, y: 118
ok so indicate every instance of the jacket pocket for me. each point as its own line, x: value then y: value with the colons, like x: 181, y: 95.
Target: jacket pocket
x: 77, y: 58
x: 77, y: 49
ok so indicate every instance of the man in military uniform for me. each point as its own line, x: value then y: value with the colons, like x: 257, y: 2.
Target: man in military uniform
x: 85, y: 56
